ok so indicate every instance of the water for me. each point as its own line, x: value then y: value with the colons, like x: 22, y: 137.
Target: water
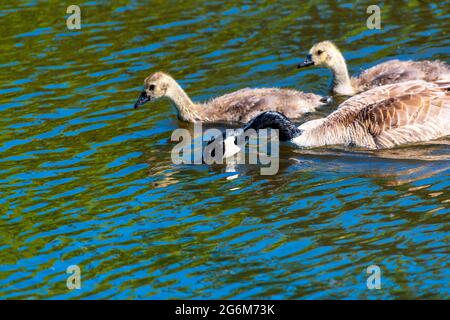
x: 88, y: 181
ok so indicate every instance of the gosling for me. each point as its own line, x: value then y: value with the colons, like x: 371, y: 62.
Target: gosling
x: 393, y: 71
x: 239, y: 106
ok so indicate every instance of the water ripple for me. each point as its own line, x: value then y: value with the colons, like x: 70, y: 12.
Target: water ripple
x: 87, y: 180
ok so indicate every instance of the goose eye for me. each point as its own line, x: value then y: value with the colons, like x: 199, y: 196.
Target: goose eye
x: 151, y: 87
x: 319, y: 52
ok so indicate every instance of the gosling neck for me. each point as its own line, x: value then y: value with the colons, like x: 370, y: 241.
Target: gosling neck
x: 186, y: 109
x: 341, y: 80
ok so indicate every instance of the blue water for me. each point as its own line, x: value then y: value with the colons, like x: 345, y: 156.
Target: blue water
x: 88, y: 181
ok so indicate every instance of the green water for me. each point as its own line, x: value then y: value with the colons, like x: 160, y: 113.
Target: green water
x: 88, y: 181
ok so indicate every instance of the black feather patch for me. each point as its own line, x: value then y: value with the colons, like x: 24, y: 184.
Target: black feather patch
x: 274, y: 120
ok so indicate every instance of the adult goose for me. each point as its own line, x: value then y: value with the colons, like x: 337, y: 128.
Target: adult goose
x: 383, y: 117
x: 393, y: 71
x: 240, y: 106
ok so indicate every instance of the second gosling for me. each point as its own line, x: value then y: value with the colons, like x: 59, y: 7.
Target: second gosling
x: 239, y: 106
x: 392, y: 71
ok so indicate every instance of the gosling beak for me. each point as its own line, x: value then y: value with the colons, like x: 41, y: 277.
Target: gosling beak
x: 143, y: 98
x: 308, y: 62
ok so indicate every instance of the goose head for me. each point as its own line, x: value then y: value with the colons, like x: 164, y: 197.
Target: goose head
x: 323, y: 53
x: 156, y: 86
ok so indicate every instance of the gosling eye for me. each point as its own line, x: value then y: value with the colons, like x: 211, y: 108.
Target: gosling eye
x: 319, y: 52
x: 151, y: 87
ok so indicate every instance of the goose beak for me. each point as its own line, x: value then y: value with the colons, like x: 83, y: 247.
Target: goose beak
x: 228, y: 148
x: 308, y: 62
x: 143, y: 98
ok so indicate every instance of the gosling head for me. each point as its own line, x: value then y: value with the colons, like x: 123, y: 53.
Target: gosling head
x: 155, y: 87
x: 322, y: 53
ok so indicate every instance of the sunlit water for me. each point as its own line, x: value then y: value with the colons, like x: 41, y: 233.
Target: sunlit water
x: 88, y: 181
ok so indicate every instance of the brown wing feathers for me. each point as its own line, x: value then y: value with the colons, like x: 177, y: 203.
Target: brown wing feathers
x: 413, y: 116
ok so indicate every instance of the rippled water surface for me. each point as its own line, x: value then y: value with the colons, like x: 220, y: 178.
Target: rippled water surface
x: 88, y: 181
